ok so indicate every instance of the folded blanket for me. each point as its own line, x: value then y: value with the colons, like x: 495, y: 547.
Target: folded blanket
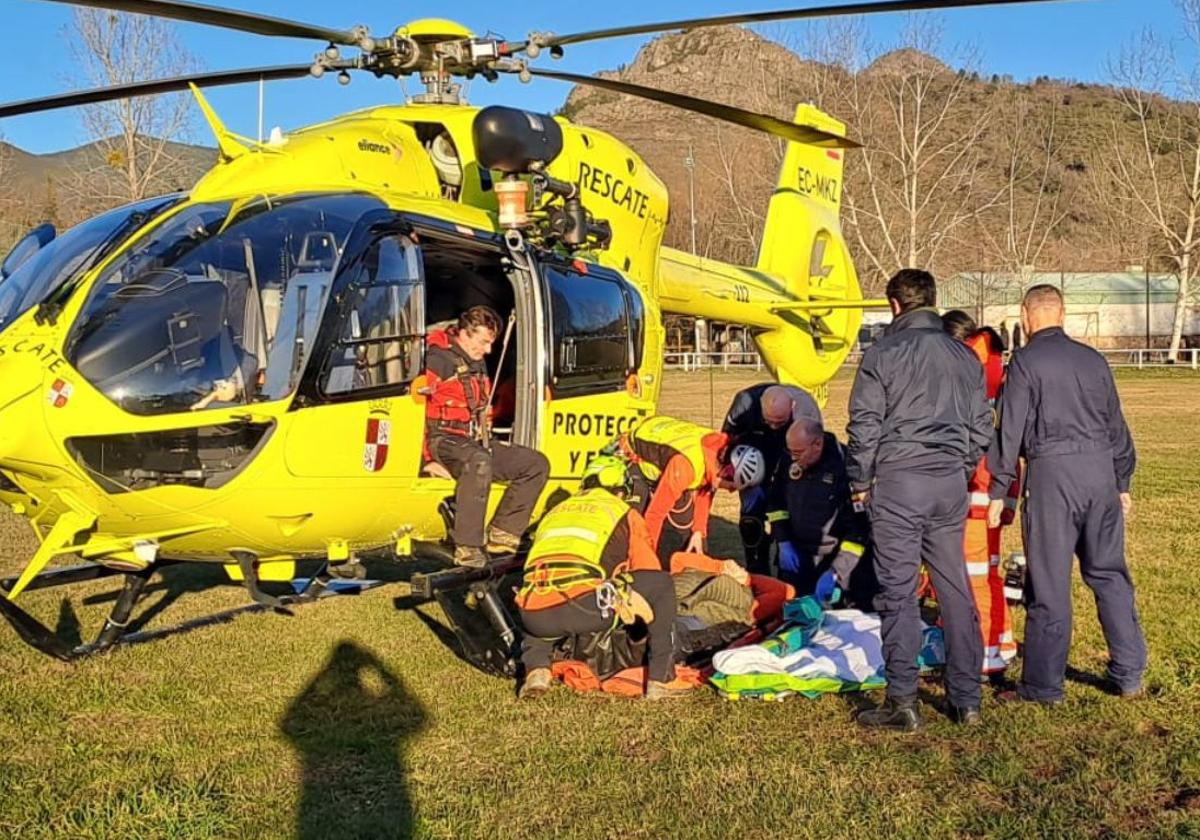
x: 816, y: 653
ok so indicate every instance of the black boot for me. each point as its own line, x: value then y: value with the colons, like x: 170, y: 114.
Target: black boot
x: 965, y: 715
x: 899, y: 713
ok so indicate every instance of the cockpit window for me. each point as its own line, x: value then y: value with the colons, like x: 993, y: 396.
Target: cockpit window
x: 73, y: 253
x: 218, y: 306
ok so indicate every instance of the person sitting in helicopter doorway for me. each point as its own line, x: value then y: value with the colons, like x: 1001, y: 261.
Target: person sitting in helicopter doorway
x: 759, y: 416
x: 456, y: 436
x: 592, y: 566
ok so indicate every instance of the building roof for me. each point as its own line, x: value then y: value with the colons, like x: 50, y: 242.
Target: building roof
x: 1093, y: 288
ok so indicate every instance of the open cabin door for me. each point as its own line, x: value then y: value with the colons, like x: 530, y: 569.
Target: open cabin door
x: 465, y: 268
x: 359, y: 418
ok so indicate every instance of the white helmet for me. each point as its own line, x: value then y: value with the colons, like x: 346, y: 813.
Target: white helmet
x: 749, y: 467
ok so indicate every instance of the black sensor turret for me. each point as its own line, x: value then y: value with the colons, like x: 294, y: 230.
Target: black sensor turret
x: 513, y: 141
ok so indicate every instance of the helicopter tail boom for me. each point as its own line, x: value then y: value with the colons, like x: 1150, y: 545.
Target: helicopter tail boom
x: 802, y: 300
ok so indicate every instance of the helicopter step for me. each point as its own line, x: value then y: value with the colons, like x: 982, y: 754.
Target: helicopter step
x: 471, y: 600
x: 313, y: 589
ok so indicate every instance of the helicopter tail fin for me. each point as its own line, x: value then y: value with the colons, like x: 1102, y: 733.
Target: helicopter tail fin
x: 809, y: 170
x: 228, y: 144
x: 802, y: 244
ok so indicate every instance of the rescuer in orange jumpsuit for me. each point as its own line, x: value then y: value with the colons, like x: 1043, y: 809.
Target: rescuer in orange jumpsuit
x: 981, y: 544
x: 680, y: 460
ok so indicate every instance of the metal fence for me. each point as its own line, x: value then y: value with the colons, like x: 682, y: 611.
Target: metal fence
x: 692, y: 360
x: 1130, y: 358
x: 1152, y: 357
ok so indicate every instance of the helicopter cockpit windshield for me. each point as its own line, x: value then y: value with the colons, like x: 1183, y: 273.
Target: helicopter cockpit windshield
x: 217, y: 306
x: 73, y: 253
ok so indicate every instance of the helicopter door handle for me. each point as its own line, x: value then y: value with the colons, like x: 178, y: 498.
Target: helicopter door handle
x: 251, y: 417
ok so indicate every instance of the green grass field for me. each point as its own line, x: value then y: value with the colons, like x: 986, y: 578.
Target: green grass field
x: 353, y: 719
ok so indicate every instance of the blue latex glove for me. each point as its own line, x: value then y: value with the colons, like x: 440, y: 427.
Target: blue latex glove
x: 789, y: 558
x: 827, y: 590
x: 753, y: 499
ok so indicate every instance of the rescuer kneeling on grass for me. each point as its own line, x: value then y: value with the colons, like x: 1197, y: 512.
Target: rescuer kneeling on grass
x: 759, y: 416
x: 456, y: 429
x: 821, y: 533
x: 591, y: 567
x: 680, y: 460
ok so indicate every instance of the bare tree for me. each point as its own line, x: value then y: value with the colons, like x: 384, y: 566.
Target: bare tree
x: 8, y: 199
x: 915, y: 185
x: 1154, y: 155
x: 132, y: 155
x: 737, y: 220
x: 745, y: 189
x: 18, y: 210
x: 1034, y: 197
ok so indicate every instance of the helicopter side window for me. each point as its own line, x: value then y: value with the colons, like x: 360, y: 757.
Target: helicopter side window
x: 381, y: 322
x: 217, y: 306
x: 594, y: 326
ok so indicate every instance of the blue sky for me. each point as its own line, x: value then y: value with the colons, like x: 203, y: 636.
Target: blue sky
x: 1064, y: 40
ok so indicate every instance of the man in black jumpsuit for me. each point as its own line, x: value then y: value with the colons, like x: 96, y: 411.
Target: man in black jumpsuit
x: 818, y: 529
x: 919, y: 422
x: 759, y: 416
x: 1059, y: 409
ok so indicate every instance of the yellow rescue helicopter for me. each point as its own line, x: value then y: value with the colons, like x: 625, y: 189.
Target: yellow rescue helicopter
x: 233, y: 375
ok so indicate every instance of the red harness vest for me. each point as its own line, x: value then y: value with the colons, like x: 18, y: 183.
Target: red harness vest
x: 456, y: 402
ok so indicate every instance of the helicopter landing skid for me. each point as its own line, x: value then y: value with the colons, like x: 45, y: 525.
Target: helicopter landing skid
x: 43, y: 639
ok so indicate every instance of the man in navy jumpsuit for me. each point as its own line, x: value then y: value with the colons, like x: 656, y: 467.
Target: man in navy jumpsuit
x: 813, y: 520
x: 1059, y: 409
x: 919, y: 422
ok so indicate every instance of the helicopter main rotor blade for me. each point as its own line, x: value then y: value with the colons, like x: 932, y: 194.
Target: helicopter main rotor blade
x: 728, y: 113
x: 867, y: 8
x: 150, y: 88
x: 225, y: 18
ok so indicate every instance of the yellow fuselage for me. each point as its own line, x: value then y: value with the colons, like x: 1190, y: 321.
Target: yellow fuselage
x: 305, y: 492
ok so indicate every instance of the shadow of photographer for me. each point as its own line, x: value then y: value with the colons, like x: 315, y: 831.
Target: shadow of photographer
x: 350, y: 726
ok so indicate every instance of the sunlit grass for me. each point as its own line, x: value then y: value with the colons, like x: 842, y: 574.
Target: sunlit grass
x: 352, y: 719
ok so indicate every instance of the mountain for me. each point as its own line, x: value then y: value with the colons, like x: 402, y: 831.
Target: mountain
x: 34, y: 188
x: 736, y: 169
